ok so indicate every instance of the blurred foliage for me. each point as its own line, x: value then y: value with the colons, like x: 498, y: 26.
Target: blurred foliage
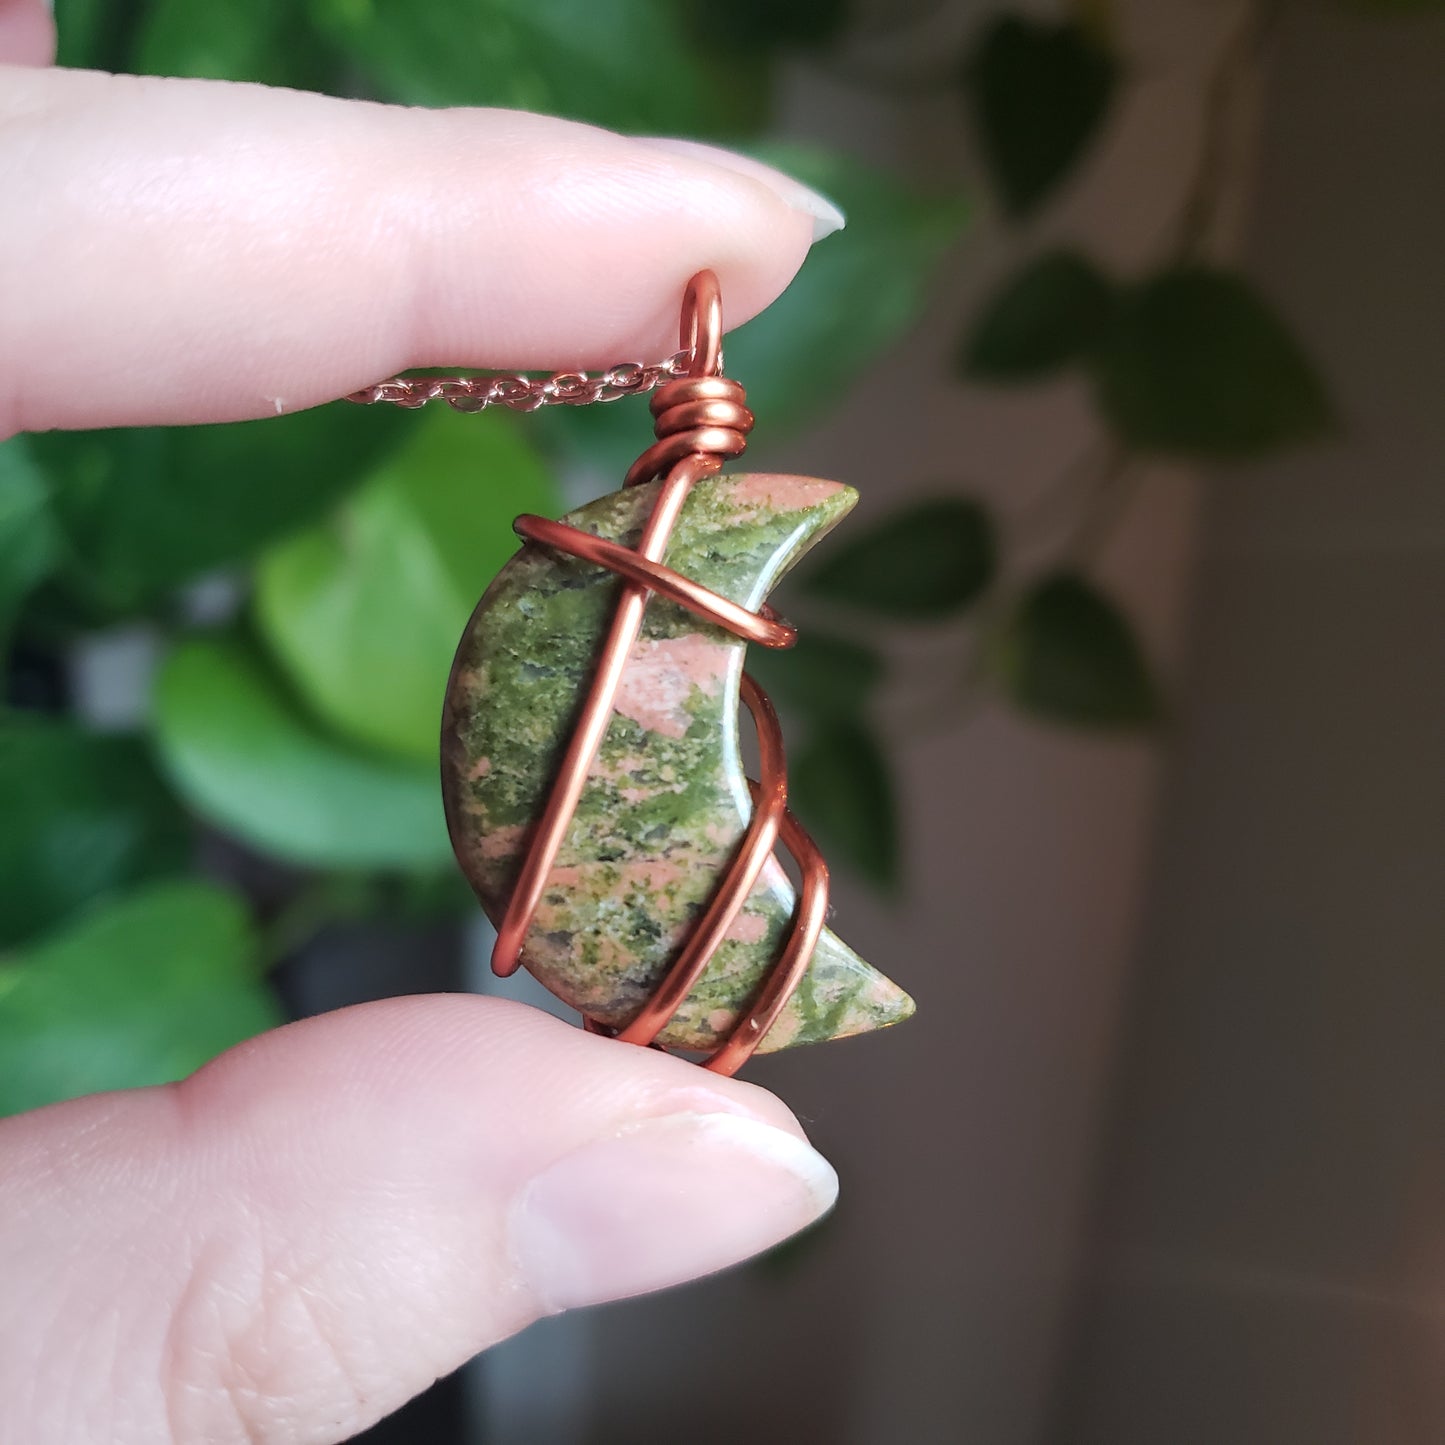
x: 1186, y: 360
x: 363, y: 611
x: 249, y: 760
x: 1191, y: 361
x: 1069, y: 655
x: 919, y: 564
x: 1196, y: 364
x: 301, y: 726
x: 30, y: 540
x: 752, y: 25
x: 85, y: 814
x: 1038, y: 92
x: 821, y: 675
x: 841, y: 785
x: 629, y: 65
x: 268, y: 40
x: 1049, y: 314
x: 145, y: 509
x: 141, y: 991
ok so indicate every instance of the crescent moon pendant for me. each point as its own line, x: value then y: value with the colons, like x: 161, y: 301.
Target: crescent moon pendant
x: 666, y: 801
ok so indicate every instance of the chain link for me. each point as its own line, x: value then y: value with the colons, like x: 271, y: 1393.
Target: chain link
x: 526, y: 393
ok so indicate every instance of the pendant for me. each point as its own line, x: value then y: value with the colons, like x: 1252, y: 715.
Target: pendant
x: 591, y: 764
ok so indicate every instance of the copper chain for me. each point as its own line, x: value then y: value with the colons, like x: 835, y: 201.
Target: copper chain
x: 527, y: 393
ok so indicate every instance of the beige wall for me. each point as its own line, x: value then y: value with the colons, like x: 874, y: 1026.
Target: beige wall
x: 1268, y: 1262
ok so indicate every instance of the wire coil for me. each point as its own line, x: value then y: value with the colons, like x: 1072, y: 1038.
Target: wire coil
x: 700, y: 419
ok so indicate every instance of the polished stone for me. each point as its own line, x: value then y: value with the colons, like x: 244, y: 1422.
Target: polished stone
x: 666, y: 801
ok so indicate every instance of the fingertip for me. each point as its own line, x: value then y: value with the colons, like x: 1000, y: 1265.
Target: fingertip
x: 824, y: 214
x: 258, y: 244
x: 606, y: 230
x: 666, y: 1200
x: 319, y: 1223
x: 27, y: 33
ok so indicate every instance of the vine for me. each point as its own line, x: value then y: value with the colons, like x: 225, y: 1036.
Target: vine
x: 1184, y: 362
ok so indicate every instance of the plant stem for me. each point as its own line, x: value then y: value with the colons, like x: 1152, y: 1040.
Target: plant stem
x: 319, y: 902
x: 1079, y: 477
x: 857, y: 61
x: 1112, y: 488
x: 964, y: 691
x: 1199, y: 209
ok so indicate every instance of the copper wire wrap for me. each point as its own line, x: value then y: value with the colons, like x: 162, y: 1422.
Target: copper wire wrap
x: 701, y: 419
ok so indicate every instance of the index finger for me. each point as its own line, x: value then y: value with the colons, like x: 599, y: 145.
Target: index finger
x: 195, y: 251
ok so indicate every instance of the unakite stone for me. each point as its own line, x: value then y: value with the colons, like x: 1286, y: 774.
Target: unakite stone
x: 666, y: 801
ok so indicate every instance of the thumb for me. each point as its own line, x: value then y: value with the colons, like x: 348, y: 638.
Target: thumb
x: 297, y: 1239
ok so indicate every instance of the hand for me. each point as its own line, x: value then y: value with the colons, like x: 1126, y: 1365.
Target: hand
x: 289, y: 1244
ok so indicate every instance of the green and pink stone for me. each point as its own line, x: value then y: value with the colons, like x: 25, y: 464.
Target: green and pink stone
x: 666, y: 801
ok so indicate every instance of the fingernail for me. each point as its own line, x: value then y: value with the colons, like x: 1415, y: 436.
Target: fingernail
x: 666, y: 1200
x: 826, y: 216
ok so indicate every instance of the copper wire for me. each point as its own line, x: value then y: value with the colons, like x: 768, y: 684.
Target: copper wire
x: 764, y: 626
x: 700, y: 419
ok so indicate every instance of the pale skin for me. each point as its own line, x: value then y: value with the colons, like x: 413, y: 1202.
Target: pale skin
x: 291, y: 1243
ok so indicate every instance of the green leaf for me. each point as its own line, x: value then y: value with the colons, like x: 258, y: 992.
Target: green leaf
x: 142, y: 993
x: 1197, y: 364
x: 1069, y: 655
x: 94, y: 34
x: 597, y: 443
x: 145, y: 509
x: 262, y: 40
x: 841, y: 788
x: 919, y: 564
x: 365, y: 611
x: 1038, y: 92
x: 30, y: 542
x: 766, y: 25
x: 84, y: 814
x: 248, y: 761
x: 858, y: 291
x: 1047, y: 315
x: 822, y: 676
x: 627, y: 65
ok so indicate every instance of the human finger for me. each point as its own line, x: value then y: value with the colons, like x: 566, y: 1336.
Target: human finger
x: 195, y: 250
x: 27, y: 33
x: 288, y: 1245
